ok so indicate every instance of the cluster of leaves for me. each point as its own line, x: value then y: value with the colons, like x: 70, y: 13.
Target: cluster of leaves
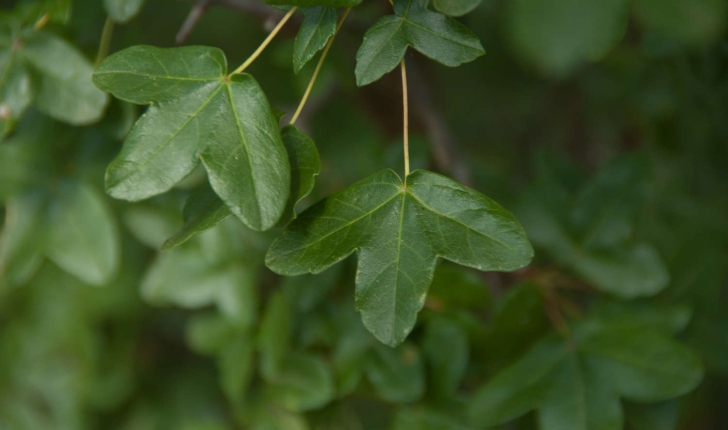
x: 620, y: 317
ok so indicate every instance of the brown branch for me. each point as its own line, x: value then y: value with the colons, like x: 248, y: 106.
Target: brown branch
x: 198, y: 9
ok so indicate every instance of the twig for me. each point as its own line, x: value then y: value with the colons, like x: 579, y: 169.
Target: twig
x: 198, y: 9
x: 447, y: 157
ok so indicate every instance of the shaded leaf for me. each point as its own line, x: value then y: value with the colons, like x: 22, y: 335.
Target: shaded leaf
x: 198, y: 114
x: 579, y: 386
x: 446, y: 351
x: 627, y: 272
x: 122, y: 11
x: 543, y: 31
x: 83, y: 236
x: 397, y: 375
x: 61, y: 79
x: 304, y: 383
x: 204, y: 210
x: 434, y: 35
x: 23, y: 238
x: 316, y: 29
x: 399, y: 231
x: 274, y: 337
x: 456, y: 7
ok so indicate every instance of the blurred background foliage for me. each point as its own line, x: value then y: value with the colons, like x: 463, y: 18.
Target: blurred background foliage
x: 603, y: 124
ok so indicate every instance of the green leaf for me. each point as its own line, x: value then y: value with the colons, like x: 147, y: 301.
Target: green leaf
x: 627, y: 272
x: 18, y: 166
x: 399, y: 231
x: 397, y: 375
x: 15, y: 89
x: 605, y: 211
x: 455, y: 287
x: 122, y: 11
x: 39, y: 67
x: 542, y: 31
x: 578, y: 386
x: 305, y: 166
x: 23, y: 238
x: 446, y: 351
x: 275, y: 336
x: 83, y: 236
x: 304, y: 383
x: 197, y: 114
x: 657, y: 416
x: 517, y: 323
x: 204, y: 210
x: 434, y: 35
x: 316, y: 29
x: 696, y: 22
x: 61, y: 79
x: 314, y: 3
x: 30, y: 12
x: 456, y: 7
x: 194, y: 276
x: 424, y: 419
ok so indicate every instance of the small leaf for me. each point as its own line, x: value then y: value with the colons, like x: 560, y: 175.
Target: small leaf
x: 578, y: 386
x: 61, y: 79
x: 543, y: 31
x: 399, y: 231
x: 435, y: 35
x: 122, y: 11
x: 204, y: 210
x: 305, y: 383
x: 198, y: 114
x: 83, y: 236
x: 397, y: 375
x: 316, y: 29
x: 627, y: 272
x: 456, y: 7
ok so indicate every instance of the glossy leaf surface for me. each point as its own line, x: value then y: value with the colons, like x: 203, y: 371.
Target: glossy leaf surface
x: 198, y: 114
x: 399, y: 231
x: 204, y: 209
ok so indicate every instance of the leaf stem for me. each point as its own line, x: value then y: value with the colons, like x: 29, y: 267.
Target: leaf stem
x: 265, y: 43
x: 318, y: 68
x: 105, y: 44
x: 405, y: 108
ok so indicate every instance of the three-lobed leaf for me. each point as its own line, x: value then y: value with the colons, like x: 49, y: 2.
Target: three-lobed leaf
x: 434, y: 35
x: 399, y: 230
x: 579, y: 386
x: 197, y: 114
